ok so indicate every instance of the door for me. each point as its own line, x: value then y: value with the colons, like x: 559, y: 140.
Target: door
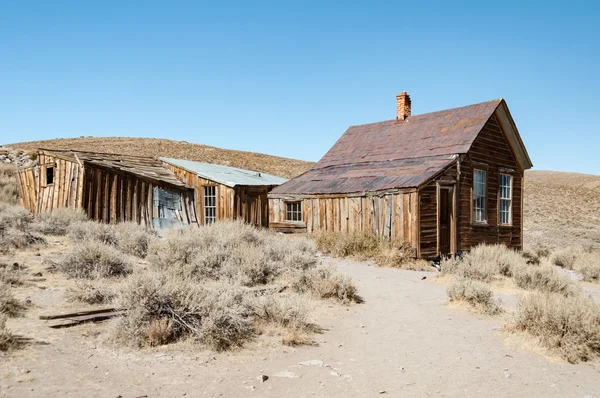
x: 445, y: 218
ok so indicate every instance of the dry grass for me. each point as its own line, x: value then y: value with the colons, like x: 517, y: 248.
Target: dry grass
x: 13, y: 238
x: 91, y: 292
x: 9, y: 305
x: 128, y: 237
x: 92, y: 259
x: 162, y: 309
x: 561, y: 209
x: 9, y: 190
x: 153, y: 147
x: 545, y: 279
x: 12, y: 216
x: 325, y: 282
x: 568, y: 326
x: 57, y: 222
x: 8, y: 341
x: 10, y: 275
x: 585, y: 261
x: 362, y: 246
x: 477, y: 294
x: 484, y: 263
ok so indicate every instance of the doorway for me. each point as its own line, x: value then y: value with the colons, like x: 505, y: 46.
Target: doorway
x: 445, y: 219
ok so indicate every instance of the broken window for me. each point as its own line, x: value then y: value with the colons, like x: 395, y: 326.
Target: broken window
x: 293, y: 211
x: 505, y: 199
x: 479, y: 195
x: 49, y: 175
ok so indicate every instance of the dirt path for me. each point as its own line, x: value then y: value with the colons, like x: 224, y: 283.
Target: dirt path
x: 403, y: 341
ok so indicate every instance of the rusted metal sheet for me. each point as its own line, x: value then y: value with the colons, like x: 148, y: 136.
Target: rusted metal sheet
x: 393, y: 153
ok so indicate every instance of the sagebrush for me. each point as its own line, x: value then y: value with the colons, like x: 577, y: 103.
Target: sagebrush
x: 8, y: 341
x: 477, y: 294
x: 9, y: 190
x: 58, y: 221
x: 93, y: 259
x: 567, y: 325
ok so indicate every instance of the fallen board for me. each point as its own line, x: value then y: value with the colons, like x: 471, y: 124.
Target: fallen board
x: 76, y: 320
x: 79, y: 313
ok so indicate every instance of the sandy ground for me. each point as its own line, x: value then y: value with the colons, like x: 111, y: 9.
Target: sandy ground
x: 404, y: 340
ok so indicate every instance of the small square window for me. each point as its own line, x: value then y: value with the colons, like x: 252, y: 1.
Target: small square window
x: 293, y: 211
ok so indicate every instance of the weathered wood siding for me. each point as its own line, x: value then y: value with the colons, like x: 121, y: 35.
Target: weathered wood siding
x: 242, y: 202
x: 391, y: 214
x: 28, y: 188
x: 67, y: 188
x: 490, y: 152
x: 114, y: 197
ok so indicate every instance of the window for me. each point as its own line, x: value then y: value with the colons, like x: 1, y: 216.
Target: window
x: 49, y: 175
x: 210, y: 204
x: 293, y: 211
x: 505, y: 199
x: 479, y: 192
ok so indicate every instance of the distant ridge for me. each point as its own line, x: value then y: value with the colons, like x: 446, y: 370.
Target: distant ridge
x: 155, y: 147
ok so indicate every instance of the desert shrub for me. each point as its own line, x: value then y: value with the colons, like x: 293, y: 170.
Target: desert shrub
x: 324, y: 282
x: 588, y: 265
x: 235, y: 252
x: 544, y: 279
x: 484, y: 262
x: 9, y: 190
x: 10, y: 275
x: 92, y: 259
x: 13, y: 238
x: 12, y: 216
x: 8, y: 341
x: 128, y: 237
x: 58, y: 221
x: 88, y: 230
x: 91, y: 292
x: 534, y: 254
x: 567, y: 257
x: 162, y: 309
x: 477, y: 294
x: 9, y: 305
x: 134, y: 239
x: 566, y: 325
x: 290, y: 311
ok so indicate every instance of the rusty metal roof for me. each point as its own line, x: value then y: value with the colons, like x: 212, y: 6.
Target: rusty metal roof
x: 393, y: 154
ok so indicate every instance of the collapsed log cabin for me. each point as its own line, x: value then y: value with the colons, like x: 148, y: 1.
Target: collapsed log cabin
x: 226, y: 193
x: 109, y: 188
x: 442, y: 181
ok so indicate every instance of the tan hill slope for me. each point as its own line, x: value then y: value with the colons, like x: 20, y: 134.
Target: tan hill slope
x: 175, y: 149
x: 562, y: 208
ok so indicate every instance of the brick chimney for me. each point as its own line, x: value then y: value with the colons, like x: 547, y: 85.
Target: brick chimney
x: 403, y: 106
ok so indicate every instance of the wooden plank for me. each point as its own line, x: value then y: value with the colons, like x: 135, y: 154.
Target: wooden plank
x: 80, y: 313
x: 114, y: 184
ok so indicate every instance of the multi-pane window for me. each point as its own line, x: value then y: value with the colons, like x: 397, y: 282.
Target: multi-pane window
x: 479, y: 193
x: 210, y: 204
x: 293, y: 211
x: 505, y: 198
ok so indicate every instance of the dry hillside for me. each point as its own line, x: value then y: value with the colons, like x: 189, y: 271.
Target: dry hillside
x: 175, y: 149
x: 562, y: 208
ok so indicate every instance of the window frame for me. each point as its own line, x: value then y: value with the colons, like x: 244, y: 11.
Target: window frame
x: 299, y: 213
x: 209, y: 219
x: 44, y: 174
x: 509, y: 199
x: 483, y: 169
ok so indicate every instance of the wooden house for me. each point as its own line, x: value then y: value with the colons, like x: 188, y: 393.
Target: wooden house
x: 442, y: 181
x: 226, y: 193
x: 109, y: 188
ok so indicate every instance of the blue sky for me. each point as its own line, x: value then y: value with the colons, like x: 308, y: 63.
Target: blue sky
x: 288, y: 78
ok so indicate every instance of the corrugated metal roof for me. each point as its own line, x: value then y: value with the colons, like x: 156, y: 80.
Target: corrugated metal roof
x: 230, y: 176
x: 394, y: 153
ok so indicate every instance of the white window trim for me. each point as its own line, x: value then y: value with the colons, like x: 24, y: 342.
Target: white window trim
x: 509, y: 199
x: 297, y: 212
x: 484, y: 196
x: 208, y: 217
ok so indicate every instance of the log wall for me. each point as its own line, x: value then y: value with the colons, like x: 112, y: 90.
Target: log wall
x: 490, y: 152
x: 67, y: 188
